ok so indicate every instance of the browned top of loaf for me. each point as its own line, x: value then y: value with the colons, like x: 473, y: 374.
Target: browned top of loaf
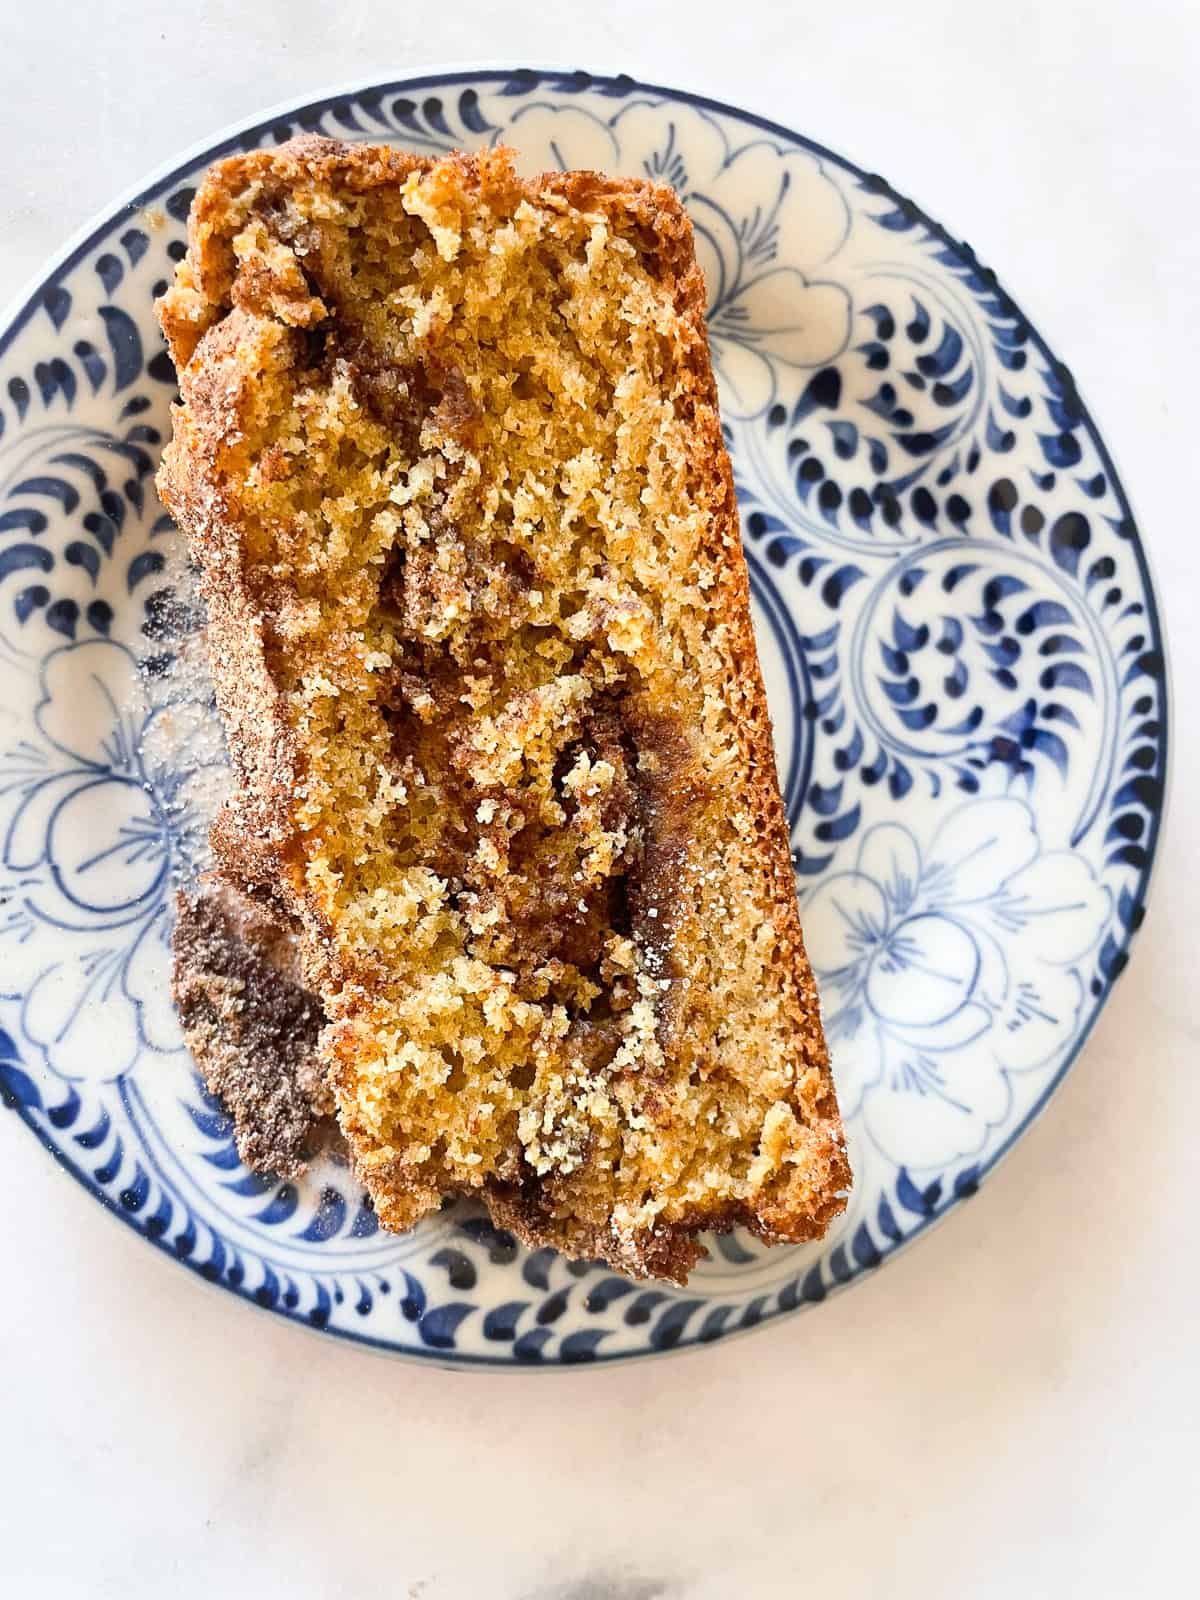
x: 531, y: 688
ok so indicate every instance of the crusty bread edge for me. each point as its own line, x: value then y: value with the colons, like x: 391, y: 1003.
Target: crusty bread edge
x: 253, y: 840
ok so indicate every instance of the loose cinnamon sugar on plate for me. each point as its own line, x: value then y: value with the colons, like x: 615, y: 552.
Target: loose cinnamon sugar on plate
x: 450, y: 461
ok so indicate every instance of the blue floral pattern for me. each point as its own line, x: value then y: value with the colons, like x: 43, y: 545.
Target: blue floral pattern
x: 98, y: 827
x: 961, y: 646
x: 944, y: 970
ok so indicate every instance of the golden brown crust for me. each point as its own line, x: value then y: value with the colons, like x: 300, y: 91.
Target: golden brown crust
x: 224, y: 320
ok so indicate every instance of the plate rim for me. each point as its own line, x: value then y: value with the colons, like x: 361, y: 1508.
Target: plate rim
x: 23, y: 306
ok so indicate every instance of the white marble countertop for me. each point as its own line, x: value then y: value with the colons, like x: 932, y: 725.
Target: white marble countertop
x: 1012, y: 1408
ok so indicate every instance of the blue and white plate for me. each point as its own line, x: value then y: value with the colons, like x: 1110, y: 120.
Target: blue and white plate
x: 963, y: 654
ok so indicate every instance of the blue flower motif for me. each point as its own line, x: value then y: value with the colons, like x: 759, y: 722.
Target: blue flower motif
x: 947, y: 968
x: 99, y: 819
x: 765, y: 318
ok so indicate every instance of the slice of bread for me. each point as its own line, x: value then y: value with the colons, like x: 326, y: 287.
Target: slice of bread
x: 450, y: 460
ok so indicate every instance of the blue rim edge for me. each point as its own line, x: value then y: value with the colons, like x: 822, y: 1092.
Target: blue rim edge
x: 623, y: 85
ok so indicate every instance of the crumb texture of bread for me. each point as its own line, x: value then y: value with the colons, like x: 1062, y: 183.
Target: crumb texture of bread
x: 450, y: 460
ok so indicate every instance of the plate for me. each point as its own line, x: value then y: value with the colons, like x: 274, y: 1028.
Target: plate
x: 964, y: 660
